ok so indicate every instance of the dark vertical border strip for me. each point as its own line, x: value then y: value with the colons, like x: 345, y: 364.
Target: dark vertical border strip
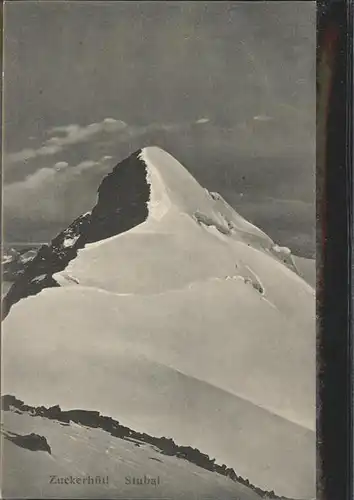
x: 350, y: 190
x: 334, y: 196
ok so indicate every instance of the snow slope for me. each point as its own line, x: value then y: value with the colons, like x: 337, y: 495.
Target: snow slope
x: 187, y: 324
x: 80, y: 451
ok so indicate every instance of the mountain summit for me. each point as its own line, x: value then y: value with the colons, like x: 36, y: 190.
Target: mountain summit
x: 122, y: 204
x: 139, y: 192
x: 165, y: 309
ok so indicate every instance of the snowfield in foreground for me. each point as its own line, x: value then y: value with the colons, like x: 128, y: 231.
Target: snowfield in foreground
x: 192, y: 324
x: 81, y: 452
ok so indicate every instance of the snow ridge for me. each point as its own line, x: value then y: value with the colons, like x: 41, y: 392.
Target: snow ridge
x: 159, y: 203
x: 164, y: 298
x: 122, y: 201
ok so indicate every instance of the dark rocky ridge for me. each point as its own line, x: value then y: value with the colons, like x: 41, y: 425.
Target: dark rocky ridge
x: 166, y: 446
x: 122, y: 204
x: 16, y: 263
x: 32, y: 441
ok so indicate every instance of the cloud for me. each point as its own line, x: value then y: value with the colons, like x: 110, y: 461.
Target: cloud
x: 262, y: 118
x: 54, y: 193
x: 48, y: 149
x: 60, y: 165
x: 85, y: 165
x: 74, y: 134
x: 35, y: 180
x: 23, y: 155
x: 202, y: 120
x: 65, y: 136
x: 42, y: 175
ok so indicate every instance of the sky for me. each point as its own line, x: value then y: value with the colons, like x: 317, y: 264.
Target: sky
x: 228, y: 88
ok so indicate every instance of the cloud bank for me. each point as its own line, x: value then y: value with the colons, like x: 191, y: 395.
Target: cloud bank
x: 64, y: 136
x: 55, y: 193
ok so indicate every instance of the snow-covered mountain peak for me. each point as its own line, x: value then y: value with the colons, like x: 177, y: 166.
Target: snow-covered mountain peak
x: 163, y: 298
x: 122, y: 200
x: 175, y: 193
x: 148, y: 193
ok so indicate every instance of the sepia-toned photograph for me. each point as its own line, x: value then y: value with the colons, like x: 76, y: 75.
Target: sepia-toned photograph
x: 158, y: 250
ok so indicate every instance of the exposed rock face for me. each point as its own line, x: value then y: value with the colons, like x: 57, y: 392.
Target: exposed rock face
x: 122, y: 201
x: 150, y: 325
x: 122, y: 204
x: 14, y: 262
x: 32, y: 441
